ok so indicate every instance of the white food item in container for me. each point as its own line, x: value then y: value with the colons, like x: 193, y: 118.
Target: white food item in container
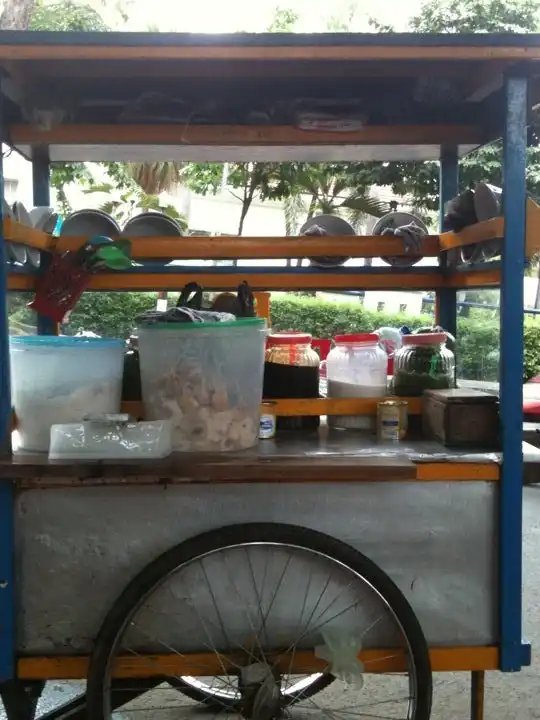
x: 200, y: 413
x: 37, y: 413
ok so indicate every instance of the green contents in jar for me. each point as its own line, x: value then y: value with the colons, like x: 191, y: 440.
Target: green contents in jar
x: 422, y: 367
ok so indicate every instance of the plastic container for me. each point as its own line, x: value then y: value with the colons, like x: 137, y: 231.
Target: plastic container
x: 206, y: 378
x: 423, y: 363
x: 58, y: 380
x: 111, y: 437
x: 356, y: 368
x: 291, y: 370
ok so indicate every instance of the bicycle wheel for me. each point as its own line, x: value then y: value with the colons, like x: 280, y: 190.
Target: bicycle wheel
x: 249, y: 604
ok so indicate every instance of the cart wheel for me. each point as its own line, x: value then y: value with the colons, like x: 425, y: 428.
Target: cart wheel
x: 243, y: 608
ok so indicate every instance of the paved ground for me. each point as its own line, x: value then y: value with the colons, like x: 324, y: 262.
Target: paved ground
x: 507, y: 696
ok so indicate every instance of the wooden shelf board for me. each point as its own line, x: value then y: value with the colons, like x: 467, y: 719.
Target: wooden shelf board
x: 447, y: 659
x: 321, y: 406
x: 18, y: 233
x: 189, y: 136
x: 223, y: 247
x: 149, y: 282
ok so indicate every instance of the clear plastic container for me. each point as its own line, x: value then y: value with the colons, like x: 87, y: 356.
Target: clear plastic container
x: 356, y: 368
x: 423, y: 363
x: 57, y: 380
x: 206, y: 378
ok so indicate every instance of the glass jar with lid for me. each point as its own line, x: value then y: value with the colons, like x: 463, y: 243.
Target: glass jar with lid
x: 356, y: 368
x: 423, y: 363
x: 291, y: 370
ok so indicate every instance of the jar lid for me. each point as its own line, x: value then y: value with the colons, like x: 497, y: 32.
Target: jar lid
x: 425, y: 339
x: 289, y: 338
x: 357, y: 338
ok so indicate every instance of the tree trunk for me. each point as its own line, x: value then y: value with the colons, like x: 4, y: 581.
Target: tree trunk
x: 16, y: 14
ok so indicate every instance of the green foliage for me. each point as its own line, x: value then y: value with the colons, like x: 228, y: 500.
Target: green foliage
x: 66, y: 16
x: 108, y: 313
x: 330, y: 188
x: 472, y: 16
x: 113, y: 314
x: 324, y: 319
x: 283, y: 20
x: 421, y: 180
x: 532, y: 348
x: 124, y: 204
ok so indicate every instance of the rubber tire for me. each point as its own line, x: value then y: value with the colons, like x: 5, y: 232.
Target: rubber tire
x: 150, y: 577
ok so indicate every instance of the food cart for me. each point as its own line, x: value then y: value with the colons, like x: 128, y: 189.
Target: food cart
x: 429, y: 538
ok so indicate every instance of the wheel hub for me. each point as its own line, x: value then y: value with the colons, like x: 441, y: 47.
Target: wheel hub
x: 260, y: 687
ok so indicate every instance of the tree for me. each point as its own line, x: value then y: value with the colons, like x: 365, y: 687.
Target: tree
x: 251, y: 181
x: 65, y: 16
x: 155, y: 178
x: 16, y: 14
x: 473, y: 16
x: 124, y: 203
x: 283, y: 20
x: 420, y: 181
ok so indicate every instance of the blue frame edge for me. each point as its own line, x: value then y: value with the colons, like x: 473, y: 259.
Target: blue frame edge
x: 511, y: 372
x: 7, y: 582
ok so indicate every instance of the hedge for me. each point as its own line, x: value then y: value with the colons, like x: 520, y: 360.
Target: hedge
x: 477, y: 342
x: 477, y: 338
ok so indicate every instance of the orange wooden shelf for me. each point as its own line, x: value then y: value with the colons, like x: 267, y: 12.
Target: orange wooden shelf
x: 17, y: 233
x: 321, y: 406
x: 448, y: 659
x: 233, y: 247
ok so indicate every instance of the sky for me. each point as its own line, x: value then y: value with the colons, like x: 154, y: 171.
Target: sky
x: 215, y: 16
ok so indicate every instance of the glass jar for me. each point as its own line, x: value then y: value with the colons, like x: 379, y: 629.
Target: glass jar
x: 356, y: 368
x: 423, y: 363
x: 291, y: 370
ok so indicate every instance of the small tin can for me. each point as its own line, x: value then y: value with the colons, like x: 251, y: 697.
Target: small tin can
x: 392, y: 419
x: 267, y: 423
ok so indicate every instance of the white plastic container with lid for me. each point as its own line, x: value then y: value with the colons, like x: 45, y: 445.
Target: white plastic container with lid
x: 206, y: 378
x: 356, y: 368
x: 58, y: 380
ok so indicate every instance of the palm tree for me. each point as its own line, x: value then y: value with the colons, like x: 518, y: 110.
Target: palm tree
x: 157, y: 177
x: 326, y: 189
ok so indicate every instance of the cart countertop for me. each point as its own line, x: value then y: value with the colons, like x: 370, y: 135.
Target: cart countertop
x: 325, y: 456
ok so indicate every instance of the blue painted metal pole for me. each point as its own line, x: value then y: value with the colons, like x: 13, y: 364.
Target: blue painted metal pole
x: 448, y: 189
x: 7, y: 614
x: 511, y: 374
x: 42, y: 197
x: 5, y: 390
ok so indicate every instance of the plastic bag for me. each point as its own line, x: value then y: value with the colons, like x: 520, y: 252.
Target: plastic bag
x: 59, y: 288
x: 341, y: 649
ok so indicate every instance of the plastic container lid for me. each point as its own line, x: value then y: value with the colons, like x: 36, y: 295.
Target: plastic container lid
x: 425, y: 339
x: 357, y: 338
x: 68, y: 341
x: 290, y: 338
x: 244, y: 322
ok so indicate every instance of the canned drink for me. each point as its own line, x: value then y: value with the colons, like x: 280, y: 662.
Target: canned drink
x: 392, y: 419
x: 267, y: 423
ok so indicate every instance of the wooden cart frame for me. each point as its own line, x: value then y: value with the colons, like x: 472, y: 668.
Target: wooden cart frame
x: 495, y: 79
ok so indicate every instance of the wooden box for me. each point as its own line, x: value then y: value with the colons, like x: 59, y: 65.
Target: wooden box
x: 461, y: 418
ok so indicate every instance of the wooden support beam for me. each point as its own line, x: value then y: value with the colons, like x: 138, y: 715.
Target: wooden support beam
x: 243, y: 135
x: 450, y: 659
x: 484, y: 80
x: 211, y: 248
x: 271, y: 53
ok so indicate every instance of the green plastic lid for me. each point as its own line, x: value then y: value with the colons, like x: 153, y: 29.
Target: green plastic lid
x: 242, y: 322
